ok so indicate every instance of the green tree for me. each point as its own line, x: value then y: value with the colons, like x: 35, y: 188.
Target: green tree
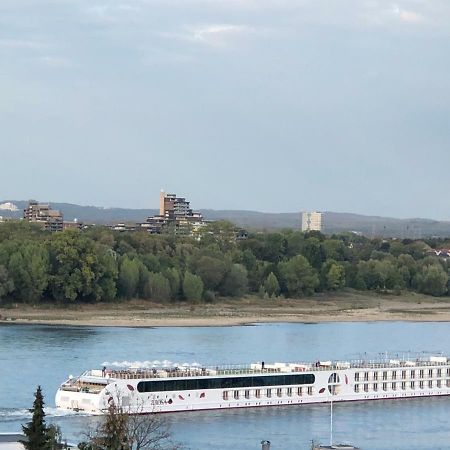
x: 28, y: 268
x: 312, y: 250
x: 271, y: 285
x: 158, y: 287
x: 128, y: 281
x: 6, y: 283
x: 75, y: 267
x: 334, y: 249
x: 335, y: 277
x: 192, y: 287
x: 433, y: 280
x: 235, y: 283
x: 211, y: 270
x: 173, y: 276
x: 36, y: 431
x: 299, y: 278
x: 107, y: 276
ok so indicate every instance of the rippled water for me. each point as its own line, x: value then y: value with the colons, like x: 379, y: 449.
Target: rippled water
x: 46, y: 355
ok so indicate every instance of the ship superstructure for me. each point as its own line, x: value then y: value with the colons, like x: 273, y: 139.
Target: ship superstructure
x: 259, y: 384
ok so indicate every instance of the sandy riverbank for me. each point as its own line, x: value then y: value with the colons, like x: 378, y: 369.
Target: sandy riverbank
x: 353, y: 306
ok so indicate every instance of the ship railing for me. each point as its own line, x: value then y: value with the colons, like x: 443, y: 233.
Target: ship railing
x: 269, y: 368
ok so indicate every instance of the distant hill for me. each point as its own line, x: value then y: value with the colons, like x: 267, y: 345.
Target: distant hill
x: 333, y: 222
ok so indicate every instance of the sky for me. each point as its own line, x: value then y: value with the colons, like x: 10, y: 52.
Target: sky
x: 268, y: 105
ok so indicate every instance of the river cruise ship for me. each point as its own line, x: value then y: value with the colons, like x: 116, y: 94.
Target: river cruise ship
x: 254, y: 385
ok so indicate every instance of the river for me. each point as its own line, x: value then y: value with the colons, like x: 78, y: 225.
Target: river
x: 46, y: 355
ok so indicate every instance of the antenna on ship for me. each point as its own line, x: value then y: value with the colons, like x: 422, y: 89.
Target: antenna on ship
x: 331, y: 422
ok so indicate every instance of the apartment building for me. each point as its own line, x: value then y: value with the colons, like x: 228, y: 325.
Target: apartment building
x: 312, y: 221
x: 41, y: 213
x: 175, y: 215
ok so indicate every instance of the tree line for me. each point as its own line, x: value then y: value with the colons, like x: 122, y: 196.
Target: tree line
x: 99, y: 264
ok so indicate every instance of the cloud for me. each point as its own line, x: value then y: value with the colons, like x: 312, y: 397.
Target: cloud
x: 22, y: 44
x: 55, y: 61
x: 211, y: 34
x: 107, y: 13
x: 160, y: 57
x: 407, y: 16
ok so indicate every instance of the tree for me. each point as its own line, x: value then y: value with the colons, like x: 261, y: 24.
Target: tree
x: 192, y: 287
x: 128, y: 277
x: 312, y: 250
x: 271, y: 285
x: 173, y: 276
x: 120, y: 430
x: 28, y: 267
x: 36, y: 431
x: 235, y: 283
x: 211, y: 270
x: 6, y: 283
x: 75, y: 267
x: 108, y: 275
x: 335, y: 277
x: 433, y: 280
x: 158, y: 287
x: 299, y: 278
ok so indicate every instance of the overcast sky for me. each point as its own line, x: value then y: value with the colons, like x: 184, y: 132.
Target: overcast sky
x: 270, y: 105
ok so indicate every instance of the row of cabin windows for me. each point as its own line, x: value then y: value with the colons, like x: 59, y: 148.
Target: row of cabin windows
x: 268, y: 393
x: 403, y: 385
x: 224, y: 383
x: 402, y: 374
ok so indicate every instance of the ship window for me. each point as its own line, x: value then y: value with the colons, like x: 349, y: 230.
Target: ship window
x: 394, y: 374
x: 310, y: 390
x: 258, y: 393
x: 375, y: 387
x: 357, y: 376
x: 269, y: 393
x: 430, y: 373
x: 394, y: 386
x: 430, y: 384
x: 375, y: 375
x: 413, y: 373
x: 356, y: 387
x: 438, y: 383
x: 289, y: 392
x: 448, y: 383
x: 404, y: 374
x: 225, y: 395
x: 366, y: 376
x: 384, y: 375
x: 448, y: 372
x: 413, y: 385
x: 247, y: 394
x: 224, y: 383
x: 236, y: 395
x: 385, y: 387
x: 333, y: 378
x: 300, y: 391
x: 421, y: 384
x: 439, y: 372
x: 421, y: 373
x: 366, y: 388
x: 279, y: 392
x: 404, y: 385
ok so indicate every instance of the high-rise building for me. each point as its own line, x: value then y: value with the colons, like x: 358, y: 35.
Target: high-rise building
x: 43, y: 214
x: 175, y: 214
x: 171, y: 206
x: 312, y: 221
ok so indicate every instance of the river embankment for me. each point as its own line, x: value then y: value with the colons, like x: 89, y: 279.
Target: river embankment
x: 342, y: 307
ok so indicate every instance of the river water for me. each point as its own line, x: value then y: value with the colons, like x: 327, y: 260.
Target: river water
x: 46, y: 355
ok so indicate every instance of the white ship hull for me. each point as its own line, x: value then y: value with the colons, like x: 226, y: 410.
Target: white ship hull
x: 93, y: 392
